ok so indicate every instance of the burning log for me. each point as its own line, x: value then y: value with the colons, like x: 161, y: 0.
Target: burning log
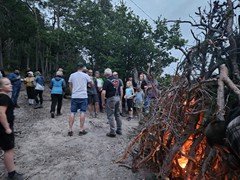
x: 173, y: 144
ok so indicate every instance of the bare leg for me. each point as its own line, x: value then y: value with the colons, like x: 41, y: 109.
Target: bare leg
x: 8, y: 160
x: 71, y: 121
x: 131, y: 113
x: 96, y: 107
x: 82, y: 120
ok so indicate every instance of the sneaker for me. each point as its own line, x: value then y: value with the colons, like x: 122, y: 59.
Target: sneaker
x: 40, y: 106
x: 81, y: 133
x: 119, y: 132
x: 70, y: 133
x: 110, y: 135
x: 130, y: 118
x: 59, y: 114
x: 52, y: 115
x: 96, y: 115
x: 16, y: 176
x: 37, y: 106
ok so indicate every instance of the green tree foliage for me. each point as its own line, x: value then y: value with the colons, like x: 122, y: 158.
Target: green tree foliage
x: 59, y: 32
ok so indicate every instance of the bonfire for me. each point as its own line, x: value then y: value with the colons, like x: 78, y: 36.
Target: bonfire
x: 188, y: 134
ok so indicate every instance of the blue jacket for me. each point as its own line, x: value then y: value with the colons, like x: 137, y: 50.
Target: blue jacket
x: 39, y: 80
x: 57, y: 84
x: 13, y: 78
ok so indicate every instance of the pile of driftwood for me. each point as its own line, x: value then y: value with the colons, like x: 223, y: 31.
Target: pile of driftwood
x: 188, y: 135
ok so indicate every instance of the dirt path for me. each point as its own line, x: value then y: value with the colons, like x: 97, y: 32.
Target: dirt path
x: 44, y: 151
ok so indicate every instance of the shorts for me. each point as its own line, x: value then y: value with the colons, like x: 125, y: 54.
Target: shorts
x: 79, y: 103
x: 138, y: 105
x: 7, y: 141
x: 92, y: 99
x: 130, y: 104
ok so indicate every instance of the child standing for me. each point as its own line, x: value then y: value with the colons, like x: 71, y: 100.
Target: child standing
x: 129, y: 94
x: 6, y: 128
x: 139, y: 97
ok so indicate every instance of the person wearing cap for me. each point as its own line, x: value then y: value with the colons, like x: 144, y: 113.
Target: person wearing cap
x: 29, y: 82
x: 57, y: 85
x: 115, y: 74
x: 78, y: 82
x: 112, y: 91
x: 15, y: 79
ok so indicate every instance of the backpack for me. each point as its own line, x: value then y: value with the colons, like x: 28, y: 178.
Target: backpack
x: 115, y: 83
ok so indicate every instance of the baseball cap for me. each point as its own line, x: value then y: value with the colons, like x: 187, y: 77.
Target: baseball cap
x: 80, y: 65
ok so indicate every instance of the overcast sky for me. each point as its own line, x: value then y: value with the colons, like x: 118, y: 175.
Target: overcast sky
x: 171, y: 10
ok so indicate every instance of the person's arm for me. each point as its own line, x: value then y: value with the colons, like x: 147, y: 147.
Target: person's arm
x: 103, y: 95
x: 3, y: 119
x: 64, y: 83
x: 51, y: 84
x: 121, y: 93
x: 70, y: 87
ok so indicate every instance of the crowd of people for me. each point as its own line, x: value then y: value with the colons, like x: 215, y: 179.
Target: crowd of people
x: 89, y: 92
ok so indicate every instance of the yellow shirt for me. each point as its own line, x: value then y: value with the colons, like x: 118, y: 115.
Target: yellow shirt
x: 29, y: 81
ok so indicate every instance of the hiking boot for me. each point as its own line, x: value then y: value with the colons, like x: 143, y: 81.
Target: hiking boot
x: 16, y: 176
x: 119, y: 132
x: 110, y: 135
x: 70, y: 133
x: 81, y: 133
x: 52, y: 115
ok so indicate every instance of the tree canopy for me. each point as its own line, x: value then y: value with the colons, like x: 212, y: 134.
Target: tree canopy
x: 44, y: 35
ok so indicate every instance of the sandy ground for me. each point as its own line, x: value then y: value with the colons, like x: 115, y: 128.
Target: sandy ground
x: 45, y: 152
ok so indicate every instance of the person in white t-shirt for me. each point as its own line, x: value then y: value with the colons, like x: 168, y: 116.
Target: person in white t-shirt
x: 79, y: 99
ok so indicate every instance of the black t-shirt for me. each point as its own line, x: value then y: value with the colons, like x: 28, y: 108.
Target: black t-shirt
x: 142, y: 84
x: 5, y: 100
x: 112, y: 86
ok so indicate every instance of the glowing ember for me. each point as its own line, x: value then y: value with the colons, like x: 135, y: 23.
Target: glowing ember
x: 183, y: 162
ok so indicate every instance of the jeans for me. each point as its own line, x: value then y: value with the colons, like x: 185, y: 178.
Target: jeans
x: 79, y: 103
x: 113, y: 113
x: 56, y: 100
x: 15, y: 94
x: 146, y: 104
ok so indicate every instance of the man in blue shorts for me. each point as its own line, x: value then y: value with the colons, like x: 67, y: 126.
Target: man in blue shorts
x: 78, y: 82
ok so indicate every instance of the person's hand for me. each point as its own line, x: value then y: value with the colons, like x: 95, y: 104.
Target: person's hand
x: 103, y: 105
x: 8, y: 131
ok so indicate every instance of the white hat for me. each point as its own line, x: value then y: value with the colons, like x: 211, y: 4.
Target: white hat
x: 30, y: 72
x: 59, y: 73
x: 108, y: 71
